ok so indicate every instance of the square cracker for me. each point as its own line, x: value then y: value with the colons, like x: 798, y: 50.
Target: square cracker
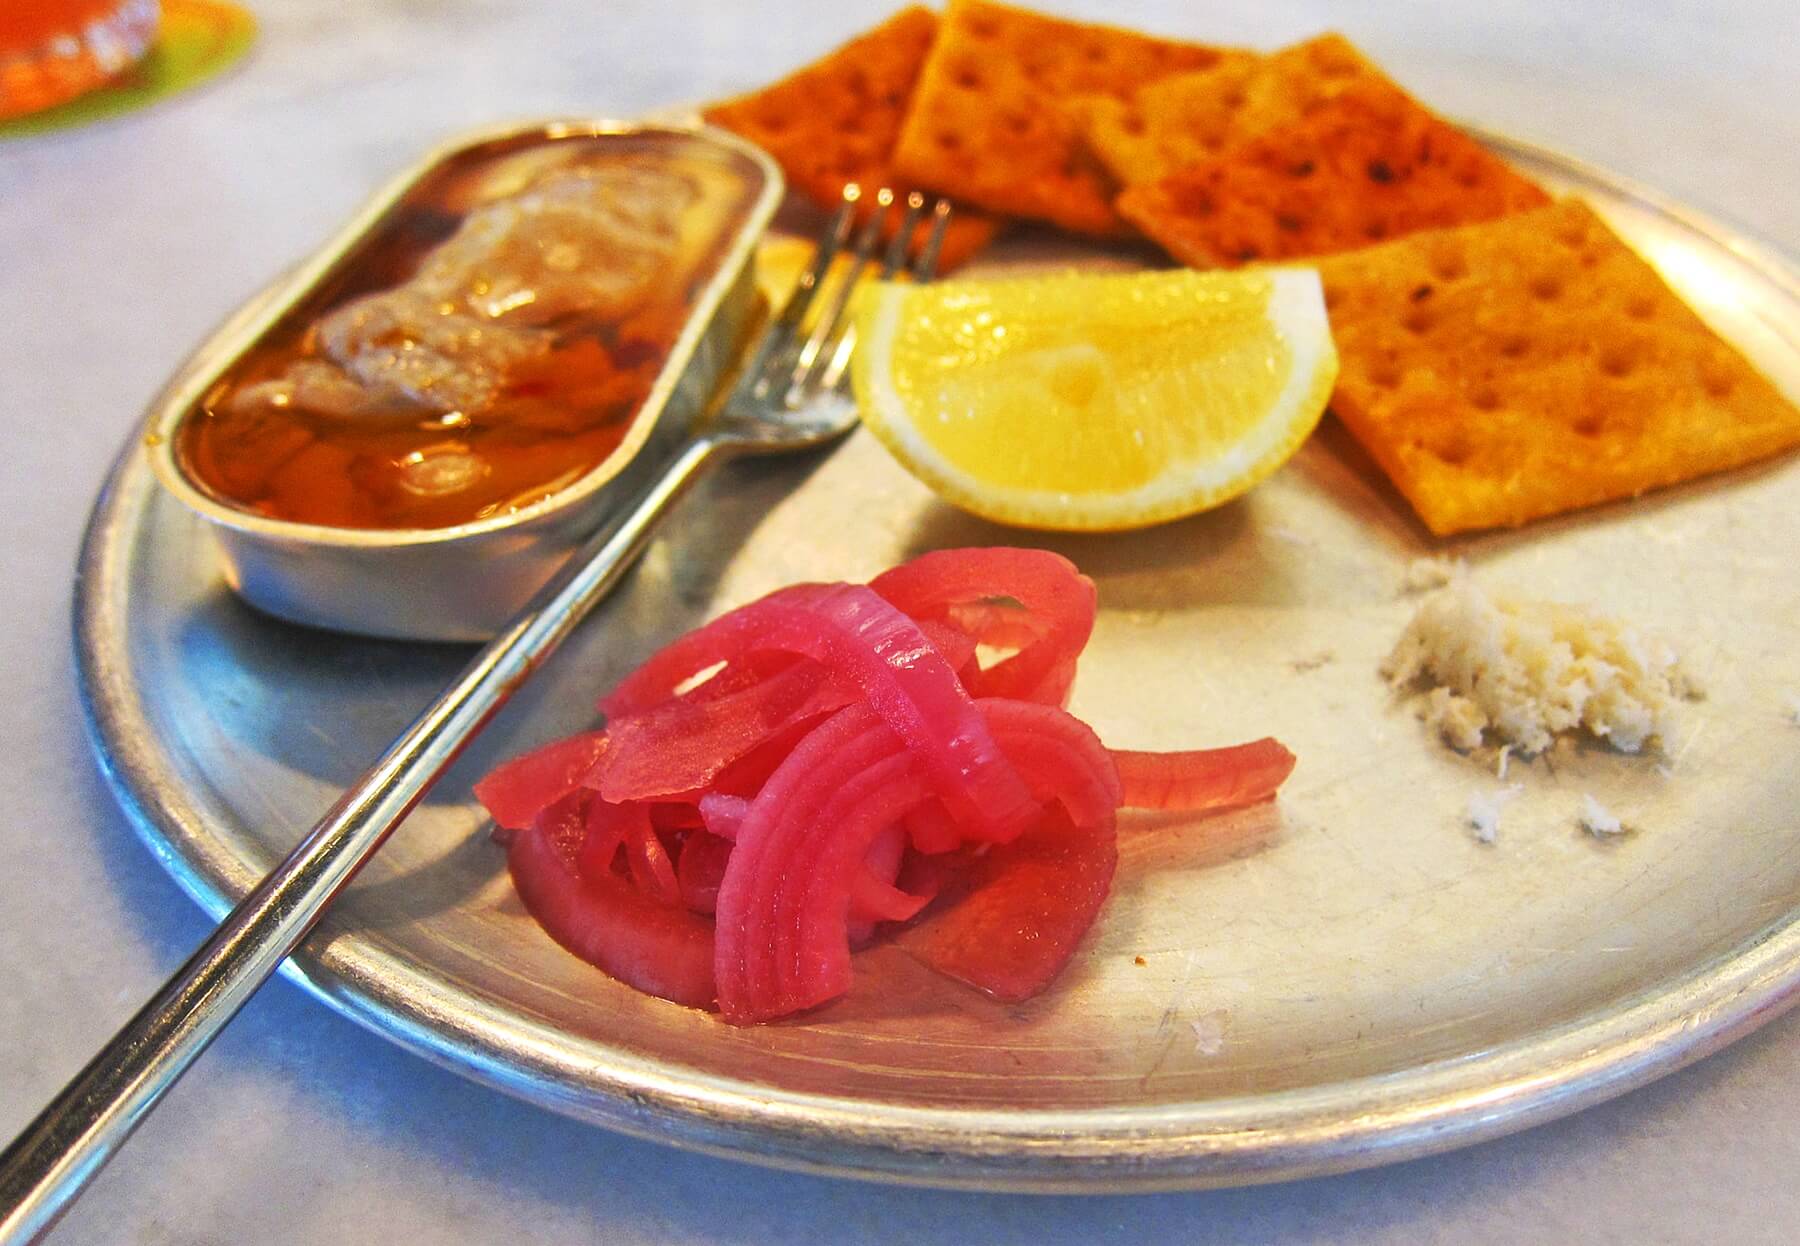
x: 987, y: 123
x: 1186, y: 118
x: 1506, y: 371
x: 835, y: 121
x: 1369, y: 165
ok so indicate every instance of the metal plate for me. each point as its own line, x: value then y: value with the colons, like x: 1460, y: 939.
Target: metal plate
x: 1338, y: 980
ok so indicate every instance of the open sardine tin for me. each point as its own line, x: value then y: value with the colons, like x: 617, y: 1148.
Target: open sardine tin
x: 466, y: 579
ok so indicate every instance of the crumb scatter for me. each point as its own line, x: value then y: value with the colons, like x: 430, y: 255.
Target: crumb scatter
x: 1597, y: 820
x: 1485, y: 808
x: 1209, y: 1032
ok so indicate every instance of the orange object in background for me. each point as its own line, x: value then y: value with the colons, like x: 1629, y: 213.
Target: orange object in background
x: 54, y: 50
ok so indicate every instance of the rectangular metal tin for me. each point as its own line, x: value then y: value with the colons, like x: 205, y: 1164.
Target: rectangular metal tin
x: 462, y: 582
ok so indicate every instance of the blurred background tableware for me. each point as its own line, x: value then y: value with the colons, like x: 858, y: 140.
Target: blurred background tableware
x: 68, y: 62
x: 54, y: 50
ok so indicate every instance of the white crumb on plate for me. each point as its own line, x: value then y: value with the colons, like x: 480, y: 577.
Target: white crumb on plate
x: 1458, y: 719
x: 1500, y: 762
x: 1597, y: 820
x: 1291, y: 537
x: 1209, y: 1032
x: 1525, y: 672
x: 1485, y: 809
x: 1433, y: 571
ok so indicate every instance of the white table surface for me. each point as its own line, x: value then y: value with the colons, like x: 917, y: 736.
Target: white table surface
x: 122, y: 243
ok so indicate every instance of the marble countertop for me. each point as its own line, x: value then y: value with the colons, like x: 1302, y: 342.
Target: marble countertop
x: 122, y: 243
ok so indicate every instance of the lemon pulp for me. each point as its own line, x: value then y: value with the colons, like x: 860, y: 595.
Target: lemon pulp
x: 1088, y: 401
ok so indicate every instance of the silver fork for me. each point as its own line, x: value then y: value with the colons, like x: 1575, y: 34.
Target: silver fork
x: 789, y: 397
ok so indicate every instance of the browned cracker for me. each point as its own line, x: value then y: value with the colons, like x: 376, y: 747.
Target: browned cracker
x: 835, y: 121
x: 1186, y: 118
x: 1506, y: 371
x: 1368, y: 165
x: 987, y: 124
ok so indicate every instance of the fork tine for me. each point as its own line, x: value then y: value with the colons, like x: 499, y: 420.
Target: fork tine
x: 925, y: 267
x: 828, y: 325
x: 769, y: 361
x: 896, y: 252
x: 839, y: 369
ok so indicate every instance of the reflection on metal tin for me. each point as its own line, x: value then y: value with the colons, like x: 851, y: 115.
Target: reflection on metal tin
x: 435, y: 408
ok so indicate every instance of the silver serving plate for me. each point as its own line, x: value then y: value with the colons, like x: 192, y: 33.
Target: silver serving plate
x: 1341, y: 979
x: 465, y: 582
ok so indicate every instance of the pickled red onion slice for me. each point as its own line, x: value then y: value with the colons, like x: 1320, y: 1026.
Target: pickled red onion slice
x: 648, y: 859
x: 931, y: 829
x: 1058, y: 755
x: 873, y: 897
x: 607, y: 827
x: 723, y: 814
x: 671, y: 816
x: 700, y: 869
x: 680, y: 663
x: 1013, y: 915
x: 1203, y: 779
x: 682, y: 744
x: 745, y: 776
x: 677, y: 748
x: 818, y: 762
x: 516, y: 791
x: 893, y: 666
x: 783, y: 939
x: 954, y: 645
x: 755, y: 749
x: 802, y: 848
x: 657, y: 948
x: 1049, y: 626
x: 873, y: 900
x: 1009, y: 919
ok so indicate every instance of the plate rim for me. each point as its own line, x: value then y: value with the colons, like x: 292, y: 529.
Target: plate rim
x: 1334, y: 1127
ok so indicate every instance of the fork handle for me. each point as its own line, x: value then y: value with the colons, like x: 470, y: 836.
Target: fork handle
x: 49, y: 1163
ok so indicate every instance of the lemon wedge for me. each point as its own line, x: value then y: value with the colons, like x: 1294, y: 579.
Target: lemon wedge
x: 1095, y: 402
